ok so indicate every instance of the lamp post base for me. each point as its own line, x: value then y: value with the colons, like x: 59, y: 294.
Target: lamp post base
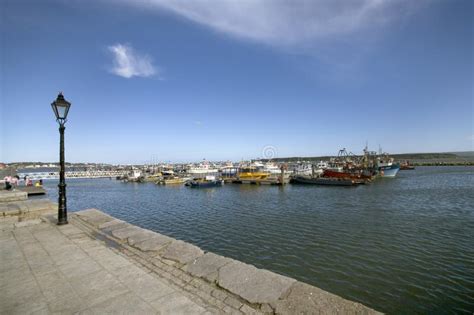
x: 62, y: 222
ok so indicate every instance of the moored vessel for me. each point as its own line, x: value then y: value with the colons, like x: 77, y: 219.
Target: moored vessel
x: 257, y: 174
x: 406, y: 166
x: 386, y: 166
x: 201, y: 170
x: 207, y: 182
x: 332, y: 181
x: 171, y: 181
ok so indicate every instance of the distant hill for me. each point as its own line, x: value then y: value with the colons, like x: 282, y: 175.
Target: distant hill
x: 419, y: 158
x: 464, y: 154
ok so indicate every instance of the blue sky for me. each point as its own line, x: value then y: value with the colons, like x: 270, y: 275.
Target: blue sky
x: 162, y: 80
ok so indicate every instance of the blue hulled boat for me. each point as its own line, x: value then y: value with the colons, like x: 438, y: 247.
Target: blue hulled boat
x: 386, y: 166
x: 209, y: 181
x: 389, y: 170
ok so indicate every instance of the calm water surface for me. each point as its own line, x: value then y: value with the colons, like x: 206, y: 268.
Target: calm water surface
x: 403, y: 245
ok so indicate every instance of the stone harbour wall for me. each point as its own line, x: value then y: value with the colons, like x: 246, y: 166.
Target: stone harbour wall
x: 15, y: 207
x: 229, y: 285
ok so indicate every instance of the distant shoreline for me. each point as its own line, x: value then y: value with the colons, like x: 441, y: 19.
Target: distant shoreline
x: 416, y: 159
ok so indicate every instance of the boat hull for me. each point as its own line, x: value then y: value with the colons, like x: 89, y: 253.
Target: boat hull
x: 270, y: 180
x: 323, y: 181
x: 345, y: 175
x: 207, y: 184
x: 172, y: 182
x: 389, y: 171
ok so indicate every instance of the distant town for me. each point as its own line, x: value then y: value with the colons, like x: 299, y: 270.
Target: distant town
x: 417, y: 159
x: 294, y: 165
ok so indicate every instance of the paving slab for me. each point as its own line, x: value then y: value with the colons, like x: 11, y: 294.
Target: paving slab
x: 254, y: 285
x: 109, y: 259
x: 80, y: 268
x: 69, y: 230
x: 147, y: 286
x: 127, y: 303
x: 98, y: 287
x: 177, y: 304
x: 7, y: 223
x: 15, y: 275
x: 16, y: 294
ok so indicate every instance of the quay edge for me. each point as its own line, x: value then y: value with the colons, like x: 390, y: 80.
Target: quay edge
x: 219, y: 284
x: 245, y: 286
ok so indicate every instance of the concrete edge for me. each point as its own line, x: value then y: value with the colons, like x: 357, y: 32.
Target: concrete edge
x: 262, y: 289
x: 27, y: 209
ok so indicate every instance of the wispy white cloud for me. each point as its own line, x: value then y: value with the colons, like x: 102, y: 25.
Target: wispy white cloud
x: 128, y: 63
x: 283, y: 22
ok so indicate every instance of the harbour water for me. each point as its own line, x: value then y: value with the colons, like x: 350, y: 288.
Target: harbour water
x: 402, y: 245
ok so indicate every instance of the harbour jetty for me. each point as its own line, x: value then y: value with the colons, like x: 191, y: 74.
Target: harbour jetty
x: 99, y: 264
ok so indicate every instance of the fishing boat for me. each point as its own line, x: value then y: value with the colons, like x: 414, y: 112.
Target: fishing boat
x: 207, y: 182
x: 135, y: 175
x: 250, y: 174
x: 311, y: 169
x: 153, y: 178
x: 386, y: 166
x: 171, y: 181
x: 258, y: 174
x: 332, y: 181
x: 201, y: 170
x: 406, y: 166
x: 353, y: 175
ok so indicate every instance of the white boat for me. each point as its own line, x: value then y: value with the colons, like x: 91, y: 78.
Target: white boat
x: 272, y: 168
x: 201, y: 170
x: 134, y: 175
x: 314, y: 170
x: 386, y: 167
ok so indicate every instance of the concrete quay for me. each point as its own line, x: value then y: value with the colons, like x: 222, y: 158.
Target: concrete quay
x: 98, y: 264
x: 15, y: 208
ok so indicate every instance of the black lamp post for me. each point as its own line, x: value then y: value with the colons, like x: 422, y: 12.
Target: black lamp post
x: 61, y: 108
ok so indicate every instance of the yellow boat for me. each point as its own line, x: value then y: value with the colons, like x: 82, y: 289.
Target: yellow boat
x: 171, y: 181
x: 153, y: 178
x: 257, y: 176
x: 251, y: 173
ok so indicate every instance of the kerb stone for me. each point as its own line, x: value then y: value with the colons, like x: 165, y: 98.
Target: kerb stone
x: 140, y: 237
x: 306, y: 299
x: 181, y: 252
x: 114, y: 225
x: 7, y: 196
x: 94, y: 217
x: 125, y: 233
x: 154, y: 244
x: 252, y: 284
x: 207, y: 266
